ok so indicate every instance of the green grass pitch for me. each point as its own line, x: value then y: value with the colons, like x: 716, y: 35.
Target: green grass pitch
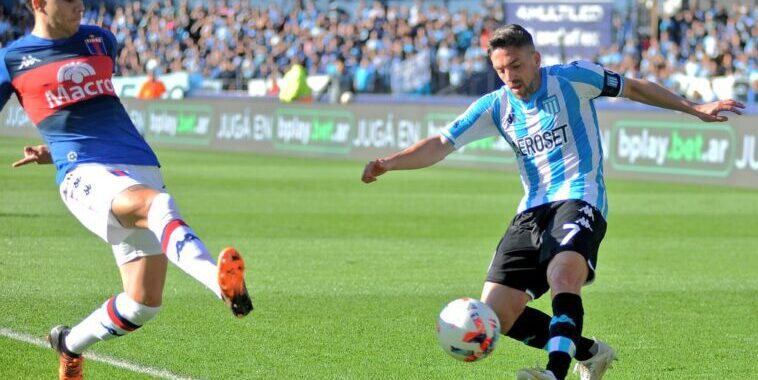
x: 348, y: 278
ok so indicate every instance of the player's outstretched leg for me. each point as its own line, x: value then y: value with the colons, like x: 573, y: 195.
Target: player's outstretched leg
x: 184, y: 249
x: 594, y: 367
x: 71, y: 365
x: 180, y: 244
x: 231, y: 281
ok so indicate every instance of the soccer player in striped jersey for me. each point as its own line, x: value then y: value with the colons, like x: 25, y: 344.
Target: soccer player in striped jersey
x: 548, y: 117
x: 108, y: 177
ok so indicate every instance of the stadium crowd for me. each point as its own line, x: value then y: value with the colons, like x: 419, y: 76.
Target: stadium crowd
x: 693, y: 45
x: 235, y: 41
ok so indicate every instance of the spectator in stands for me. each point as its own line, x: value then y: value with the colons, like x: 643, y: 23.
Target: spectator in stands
x: 152, y: 88
x: 239, y: 41
x: 294, y: 85
x: 694, y: 44
x: 340, y: 82
x: 242, y: 37
x: 363, y: 77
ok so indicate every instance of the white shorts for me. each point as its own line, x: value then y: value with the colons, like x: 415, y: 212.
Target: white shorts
x: 88, y: 192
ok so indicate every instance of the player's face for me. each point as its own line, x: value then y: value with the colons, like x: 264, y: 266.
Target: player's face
x: 63, y: 16
x: 518, y: 68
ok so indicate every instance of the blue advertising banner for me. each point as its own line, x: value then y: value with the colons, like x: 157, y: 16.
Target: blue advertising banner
x: 563, y: 31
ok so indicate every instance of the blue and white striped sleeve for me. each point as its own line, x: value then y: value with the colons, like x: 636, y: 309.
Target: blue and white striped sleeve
x: 590, y: 79
x: 476, y: 123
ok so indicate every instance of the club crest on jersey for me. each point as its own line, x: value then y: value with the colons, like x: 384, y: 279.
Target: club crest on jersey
x: 550, y: 105
x: 95, y: 45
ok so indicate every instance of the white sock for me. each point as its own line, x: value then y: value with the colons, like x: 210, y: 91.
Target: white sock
x: 180, y: 244
x: 118, y: 316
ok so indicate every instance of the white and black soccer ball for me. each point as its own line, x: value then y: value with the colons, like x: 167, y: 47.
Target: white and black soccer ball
x: 468, y: 329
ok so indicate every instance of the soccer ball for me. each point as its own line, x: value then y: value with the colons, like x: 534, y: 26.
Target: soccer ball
x: 468, y: 329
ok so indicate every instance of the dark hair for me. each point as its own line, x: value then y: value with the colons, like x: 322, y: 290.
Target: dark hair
x: 29, y: 5
x: 512, y: 35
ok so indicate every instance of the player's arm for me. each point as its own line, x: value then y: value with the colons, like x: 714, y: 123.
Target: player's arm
x: 424, y: 153
x: 475, y: 123
x: 38, y: 153
x: 655, y: 95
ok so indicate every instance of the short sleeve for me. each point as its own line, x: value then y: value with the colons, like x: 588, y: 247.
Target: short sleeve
x: 590, y: 79
x: 111, y: 45
x: 477, y: 122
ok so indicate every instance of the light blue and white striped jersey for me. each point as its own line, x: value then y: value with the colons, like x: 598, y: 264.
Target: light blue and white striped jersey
x: 555, y: 134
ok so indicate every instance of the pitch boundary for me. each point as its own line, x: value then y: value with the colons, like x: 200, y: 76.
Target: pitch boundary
x: 115, y: 362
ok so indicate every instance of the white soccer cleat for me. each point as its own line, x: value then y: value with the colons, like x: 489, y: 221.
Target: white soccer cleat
x: 535, y: 374
x: 594, y: 368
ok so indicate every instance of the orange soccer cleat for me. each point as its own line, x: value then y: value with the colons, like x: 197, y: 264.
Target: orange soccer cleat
x: 231, y: 280
x: 70, y: 365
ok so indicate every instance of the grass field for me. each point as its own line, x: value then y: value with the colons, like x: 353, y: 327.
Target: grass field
x: 348, y: 279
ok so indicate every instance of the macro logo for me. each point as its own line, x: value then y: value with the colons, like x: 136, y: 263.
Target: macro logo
x: 313, y: 130
x: 673, y: 148
x: 76, y: 81
x: 495, y: 150
x: 75, y: 72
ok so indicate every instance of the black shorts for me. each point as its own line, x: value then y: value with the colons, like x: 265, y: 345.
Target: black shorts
x: 536, y: 235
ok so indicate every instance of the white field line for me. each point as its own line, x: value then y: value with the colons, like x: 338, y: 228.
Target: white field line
x: 155, y: 372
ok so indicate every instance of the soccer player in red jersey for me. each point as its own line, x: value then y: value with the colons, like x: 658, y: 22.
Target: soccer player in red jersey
x: 108, y: 176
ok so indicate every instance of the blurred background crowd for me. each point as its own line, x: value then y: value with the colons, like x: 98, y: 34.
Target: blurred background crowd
x: 421, y: 47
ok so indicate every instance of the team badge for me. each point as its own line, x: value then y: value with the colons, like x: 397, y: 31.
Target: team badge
x: 95, y: 45
x: 550, y: 105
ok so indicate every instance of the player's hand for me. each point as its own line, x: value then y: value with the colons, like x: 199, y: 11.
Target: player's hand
x: 39, y: 154
x: 374, y: 169
x: 710, y: 111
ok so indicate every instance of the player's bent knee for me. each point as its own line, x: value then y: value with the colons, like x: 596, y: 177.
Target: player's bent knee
x: 566, y: 283
x: 162, y: 208
x: 506, y: 302
x: 567, y: 273
x: 163, y: 203
x: 132, y: 205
